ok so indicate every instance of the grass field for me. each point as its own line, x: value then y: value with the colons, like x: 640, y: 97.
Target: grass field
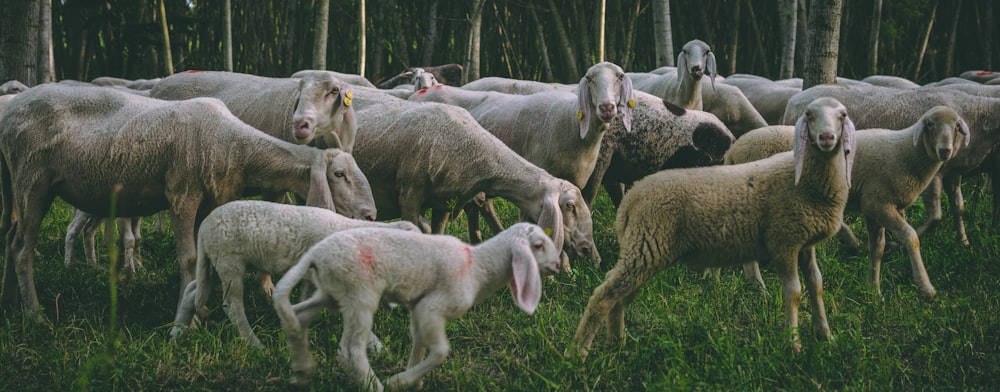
x: 683, y: 332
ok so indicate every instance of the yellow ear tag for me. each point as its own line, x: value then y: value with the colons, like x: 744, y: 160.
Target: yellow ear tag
x: 548, y: 231
x: 631, y: 103
x: 579, y: 115
x: 347, y: 98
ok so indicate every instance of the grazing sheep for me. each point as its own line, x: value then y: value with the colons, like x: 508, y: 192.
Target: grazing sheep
x: 352, y: 79
x: 891, y: 169
x: 85, y: 144
x: 515, y: 86
x: 421, y: 156
x: 889, y: 108
x: 317, y: 105
x: 449, y: 74
x: 683, y: 87
x: 777, y: 209
x: 437, y: 277
x: 12, y: 87
x: 266, y: 237
x: 663, y: 136
x: 130, y: 237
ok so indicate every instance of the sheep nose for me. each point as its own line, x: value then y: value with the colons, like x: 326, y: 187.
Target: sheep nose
x: 302, y: 129
x: 697, y: 71
x: 944, y: 153
x: 368, y: 215
x: 607, y: 109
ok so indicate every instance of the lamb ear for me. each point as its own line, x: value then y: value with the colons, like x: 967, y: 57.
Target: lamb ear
x: 583, y: 97
x: 848, y: 139
x: 526, y: 286
x: 918, y: 129
x: 626, y: 102
x: 711, y: 67
x: 799, y: 149
x: 963, y: 128
x: 551, y: 217
x: 346, y: 97
x: 319, y: 186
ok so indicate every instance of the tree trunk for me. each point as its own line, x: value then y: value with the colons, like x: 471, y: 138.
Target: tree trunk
x: 628, y: 54
x: 18, y: 38
x: 824, y: 39
x: 319, y: 41
x: 168, y: 58
x: 564, y: 43
x: 873, y: 37
x: 663, y: 41
x: 540, y: 36
x: 788, y: 26
x: 472, y: 50
x: 923, y: 45
x: 227, y: 34
x: 46, y: 64
x: 734, y: 35
x: 600, y: 30
x: 431, y: 36
x: 988, y: 36
x: 362, y: 37
x: 949, y: 67
x: 801, y: 32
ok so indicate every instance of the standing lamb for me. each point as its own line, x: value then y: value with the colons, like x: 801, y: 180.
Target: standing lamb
x: 778, y: 209
x: 437, y: 277
x: 84, y: 144
x: 891, y: 169
x: 421, y: 156
x: 266, y: 237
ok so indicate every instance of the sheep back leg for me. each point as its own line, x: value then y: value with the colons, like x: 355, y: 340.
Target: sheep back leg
x: 80, y: 223
x: 752, y: 277
x: 183, y: 215
x: 21, y: 246
x: 231, y: 273
x: 472, y: 218
x: 814, y: 283
x: 876, y: 249
x: 128, y: 245
x: 907, y: 237
x: 848, y: 238
x: 439, y: 220
x: 791, y: 294
x: 353, y: 355
x: 185, y: 310
x: 931, y: 197
x: 953, y: 187
x: 430, y: 334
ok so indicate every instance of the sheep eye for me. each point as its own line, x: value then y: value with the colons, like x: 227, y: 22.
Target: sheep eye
x: 538, y: 246
x: 338, y: 173
x: 335, y: 91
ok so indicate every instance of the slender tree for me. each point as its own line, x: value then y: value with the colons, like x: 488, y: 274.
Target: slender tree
x: 734, y: 34
x: 362, y: 37
x: 564, y: 43
x: 18, y: 36
x: 431, y: 36
x: 168, y: 58
x: 873, y: 37
x: 824, y: 39
x: 662, y: 34
x: 319, y: 42
x: 472, y: 50
x: 949, y: 67
x: 540, y: 36
x: 789, y: 18
x: 227, y: 34
x: 923, y: 45
x: 46, y: 62
x: 600, y: 30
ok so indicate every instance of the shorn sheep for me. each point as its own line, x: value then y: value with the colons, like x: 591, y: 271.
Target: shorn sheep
x: 437, y: 277
x: 891, y: 169
x: 260, y: 236
x: 421, y: 156
x: 775, y: 209
x: 683, y: 88
x: 85, y: 144
x: 296, y: 110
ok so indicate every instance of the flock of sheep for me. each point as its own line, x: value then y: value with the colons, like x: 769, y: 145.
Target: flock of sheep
x: 740, y: 170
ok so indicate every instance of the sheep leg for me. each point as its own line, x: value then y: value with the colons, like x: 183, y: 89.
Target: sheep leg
x: 472, y: 218
x: 183, y: 217
x: 953, y: 187
x: 439, y: 220
x: 136, y: 224
x: 160, y: 226
x: 814, y: 283
x: 876, y: 249
x: 905, y: 234
x: 231, y: 274
x: 490, y: 213
x: 353, y: 354
x: 185, y: 310
x: 791, y: 295
x: 848, y: 238
x: 81, y: 222
x: 932, y: 203
x: 616, y: 319
x: 429, y: 333
x: 21, y: 247
x: 307, y: 311
x: 266, y: 283
x: 616, y: 191
x: 751, y: 275
x: 128, y: 244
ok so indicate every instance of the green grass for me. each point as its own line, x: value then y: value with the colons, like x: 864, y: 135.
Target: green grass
x: 683, y: 332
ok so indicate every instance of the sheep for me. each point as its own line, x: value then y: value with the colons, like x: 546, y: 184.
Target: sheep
x: 352, y: 79
x: 264, y: 236
x: 891, y: 169
x: 138, y: 84
x: 767, y: 97
x: 12, y: 87
x: 437, y: 277
x: 420, y: 80
x: 317, y: 105
x: 778, y: 209
x: 683, y: 87
x: 889, y: 108
x: 421, y: 156
x: 890, y: 81
x: 449, y: 74
x: 130, y: 237
x: 663, y: 136
x: 89, y: 144
x: 515, y: 86
x: 980, y: 76
x: 950, y: 81
x: 726, y: 102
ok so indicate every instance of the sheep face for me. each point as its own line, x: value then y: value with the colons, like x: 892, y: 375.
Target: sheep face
x: 352, y: 195
x: 578, y: 229
x: 322, y: 107
x: 939, y: 130
x: 695, y: 59
x: 607, y: 90
x: 543, y: 250
x: 824, y: 124
x: 422, y: 79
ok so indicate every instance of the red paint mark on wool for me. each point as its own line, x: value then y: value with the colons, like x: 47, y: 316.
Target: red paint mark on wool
x: 984, y: 73
x: 464, y: 268
x: 439, y: 87
x: 367, y: 259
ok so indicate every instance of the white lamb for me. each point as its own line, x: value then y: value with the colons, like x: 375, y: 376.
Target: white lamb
x: 777, y: 209
x: 264, y: 236
x: 437, y: 277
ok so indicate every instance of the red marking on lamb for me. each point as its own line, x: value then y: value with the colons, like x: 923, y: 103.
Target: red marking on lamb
x: 422, y: 91
x: 462, y: 270
x: 367, y: 259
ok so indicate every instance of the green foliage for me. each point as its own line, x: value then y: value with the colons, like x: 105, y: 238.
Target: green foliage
x: 683, y: 332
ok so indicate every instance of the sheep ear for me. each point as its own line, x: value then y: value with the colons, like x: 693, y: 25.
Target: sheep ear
x: 801, y: 141
x: 626, y: 101
x: 346, y: 96
x: 710, y: 66
x: 526, y: 286
x: 319, y: 186
x: 848, y: 140
x: 551, y: 217
x: 963, y: 128
x: 583, y: 97
x: 682, y: 63
x: 918, y: 129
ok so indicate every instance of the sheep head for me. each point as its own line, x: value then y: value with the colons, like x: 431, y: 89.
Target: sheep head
x: 826, y: 125
x: 696, y: 59
x: 532, y: 251
x: 422, y: 79
x: 338, y: 184
x: 323, y: 107
x: 939, y: 128
x: 607, y: 91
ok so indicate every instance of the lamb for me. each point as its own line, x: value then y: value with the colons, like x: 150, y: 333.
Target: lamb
x: 352, y: 79
x: 437, y: 277
x: 891, y: 169
x: 84, y: 144
x: 264, y: 236
x: 889, y: 108
x: 434, y: 156
x: 317, y: 105
x: 778, y: 209
x: 664, y: 136
x: 683, y: 88
x: 12, y: 87
x: 87, y: 223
